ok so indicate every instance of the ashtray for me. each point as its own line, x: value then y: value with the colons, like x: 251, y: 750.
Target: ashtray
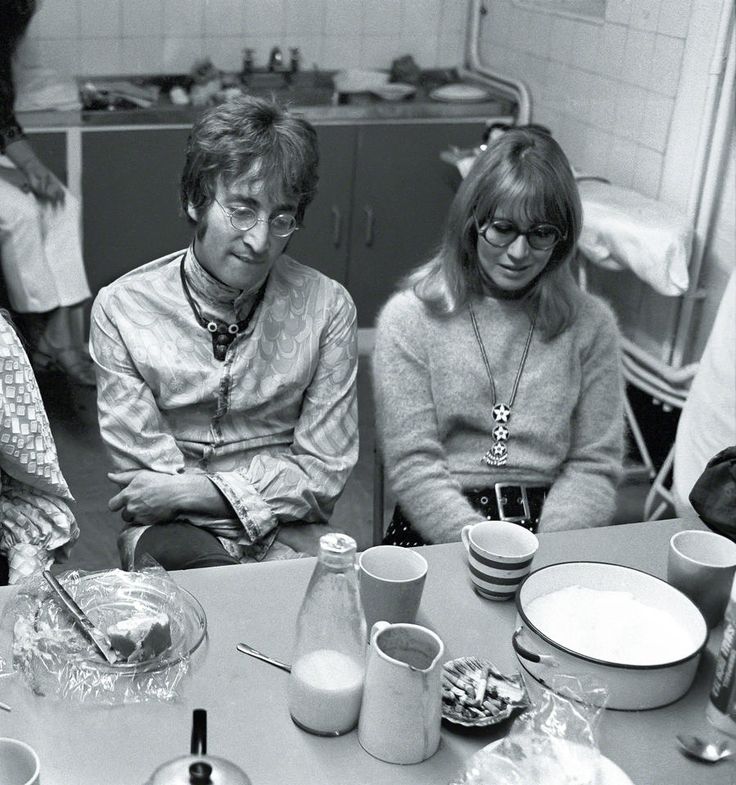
x: 476, y: 694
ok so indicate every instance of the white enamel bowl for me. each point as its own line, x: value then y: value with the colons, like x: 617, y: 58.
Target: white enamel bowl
x: 630, y: 686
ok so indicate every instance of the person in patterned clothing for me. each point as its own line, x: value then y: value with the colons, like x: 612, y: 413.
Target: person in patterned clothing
x: 226, y: 371
x: 37, y: 527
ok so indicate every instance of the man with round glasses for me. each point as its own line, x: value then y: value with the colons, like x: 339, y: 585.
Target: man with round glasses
x: 226, y: 371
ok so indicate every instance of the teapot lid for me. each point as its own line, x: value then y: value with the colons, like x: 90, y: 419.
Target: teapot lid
x: 199, y: 770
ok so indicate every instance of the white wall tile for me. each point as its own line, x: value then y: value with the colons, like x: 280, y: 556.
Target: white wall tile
x: 141, y: 54
x: 61, y: 55
x: 341, y: 51
x: 143, y: 17
x: 100, y: 56
x: 382, y: 17
x: 179, y: 54
x: 223, y: 17
x: 613, y: 47
x: 265, y: 17
x: 450, y: 49
x: 648, y: 171
x: 562, y: 37
x: 183, y: 18
x: 645, y: 14
x: 305, y: 17
x: 100, y: 19
x: 603, y: 102
x: 56, y: 19
x: 587, y: 46
x: 655, y: 125
x: 380, y: 50
x: 664, y: 75
x: 621, y: 162
x: 538, y: 35
x: 225, y: 51
x: 631, y: 103
x: 343, y: 16
x: 421, y: 19
x: 674, y: 18
x: 618, y: 11
x: 310, y: 49
x: 454, y: 16
x: 638, y: 54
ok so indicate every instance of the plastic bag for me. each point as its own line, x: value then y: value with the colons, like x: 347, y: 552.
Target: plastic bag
x: 554, y: 743
x: 42, y: 643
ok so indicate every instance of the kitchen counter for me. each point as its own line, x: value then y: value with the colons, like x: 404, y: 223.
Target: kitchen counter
x: 319, y: 105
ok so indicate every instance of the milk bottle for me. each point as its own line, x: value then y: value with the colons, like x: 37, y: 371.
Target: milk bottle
x: 326, y: 681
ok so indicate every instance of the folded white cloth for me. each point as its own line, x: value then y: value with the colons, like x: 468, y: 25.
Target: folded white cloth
x: 43, y: 88
x: 622, y: 228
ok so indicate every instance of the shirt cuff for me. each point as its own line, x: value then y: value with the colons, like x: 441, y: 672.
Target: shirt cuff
x: 253, y: 512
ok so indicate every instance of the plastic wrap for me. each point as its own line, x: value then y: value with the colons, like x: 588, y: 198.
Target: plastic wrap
x: 554, y: 742
x: 41, y: 642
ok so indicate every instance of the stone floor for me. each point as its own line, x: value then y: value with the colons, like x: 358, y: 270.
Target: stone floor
x: 72, y: 413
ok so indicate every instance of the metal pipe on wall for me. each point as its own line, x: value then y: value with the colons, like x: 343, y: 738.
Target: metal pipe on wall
x: 514, y: 88
x: 713, y: 143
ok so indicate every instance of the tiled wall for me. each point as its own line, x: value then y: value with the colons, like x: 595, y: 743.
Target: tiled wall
x: 95, y: 37
x: 625, y: 99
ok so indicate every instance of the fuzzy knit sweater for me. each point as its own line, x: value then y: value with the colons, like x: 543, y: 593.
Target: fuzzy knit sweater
x: 433, y: 404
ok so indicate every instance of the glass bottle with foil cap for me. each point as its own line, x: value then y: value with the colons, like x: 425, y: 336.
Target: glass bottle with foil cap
x: 326, y: 681
x: 721, y: 709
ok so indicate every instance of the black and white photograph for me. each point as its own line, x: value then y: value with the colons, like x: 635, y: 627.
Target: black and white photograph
x: 368, y: 392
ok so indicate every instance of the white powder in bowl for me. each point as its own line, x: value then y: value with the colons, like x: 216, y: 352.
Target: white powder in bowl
x: 610, y: 625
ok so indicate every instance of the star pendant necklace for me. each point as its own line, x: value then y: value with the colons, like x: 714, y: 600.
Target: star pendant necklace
x: 497, y: 454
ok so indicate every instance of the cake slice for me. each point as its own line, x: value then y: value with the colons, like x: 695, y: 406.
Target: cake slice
x: 141, y: 636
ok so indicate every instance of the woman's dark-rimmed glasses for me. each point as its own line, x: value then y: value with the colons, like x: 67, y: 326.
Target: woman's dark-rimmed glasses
x: 245, y: 218
x: 500, y: 233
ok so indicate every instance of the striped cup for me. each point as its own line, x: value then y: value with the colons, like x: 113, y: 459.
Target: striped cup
x: 499, y: 556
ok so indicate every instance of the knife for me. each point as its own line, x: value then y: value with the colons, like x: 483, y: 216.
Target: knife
x: 98, y: 638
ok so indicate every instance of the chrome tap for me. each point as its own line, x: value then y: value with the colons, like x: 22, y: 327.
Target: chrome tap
x: 276, y: 60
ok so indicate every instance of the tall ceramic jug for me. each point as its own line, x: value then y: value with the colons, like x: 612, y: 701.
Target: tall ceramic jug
x: 401, y: 713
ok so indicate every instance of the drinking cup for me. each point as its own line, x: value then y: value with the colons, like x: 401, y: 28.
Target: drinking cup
x: 19, y: 764
x: 702, y: 566
x: 391, y: 583
x: 499, y: 556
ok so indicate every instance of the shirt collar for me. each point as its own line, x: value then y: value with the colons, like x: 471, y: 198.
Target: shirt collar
x: 211, y: 293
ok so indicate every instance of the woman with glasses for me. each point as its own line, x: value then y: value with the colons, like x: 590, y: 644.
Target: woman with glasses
x: 226, y: 371
x: 497, y: 380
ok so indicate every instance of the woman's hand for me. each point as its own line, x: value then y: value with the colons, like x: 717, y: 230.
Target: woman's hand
x: 15, y: 177
x: 44, y: 183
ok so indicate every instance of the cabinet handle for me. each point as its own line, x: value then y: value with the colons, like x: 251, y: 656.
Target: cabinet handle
x: 336, y: 225
x: 368, y: 210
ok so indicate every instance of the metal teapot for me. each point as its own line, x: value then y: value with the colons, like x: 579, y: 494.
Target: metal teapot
x: 199, y: 768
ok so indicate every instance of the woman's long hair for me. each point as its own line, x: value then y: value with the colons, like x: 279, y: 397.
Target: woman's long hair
x: 526, y: 170
x: 15, y: 16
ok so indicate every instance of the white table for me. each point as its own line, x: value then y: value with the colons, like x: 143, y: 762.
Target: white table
x: 246, y: 699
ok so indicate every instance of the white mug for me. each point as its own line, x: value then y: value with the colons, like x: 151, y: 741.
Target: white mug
x: 500, y: 556
x: 19, y: 764
x: 391, y: 583
x: 702, y: 566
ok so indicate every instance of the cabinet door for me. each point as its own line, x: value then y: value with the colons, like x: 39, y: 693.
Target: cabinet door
x: 323, y: 241
x: 50, y: 147
x: 130, y: 182
x: 401, y: 195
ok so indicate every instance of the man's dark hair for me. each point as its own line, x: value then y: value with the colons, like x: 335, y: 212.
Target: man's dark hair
x: 247, y: 134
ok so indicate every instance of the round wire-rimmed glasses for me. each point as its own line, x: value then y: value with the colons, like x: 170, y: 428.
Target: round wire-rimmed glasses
x: 243, y: 219
x: 500, y: 233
